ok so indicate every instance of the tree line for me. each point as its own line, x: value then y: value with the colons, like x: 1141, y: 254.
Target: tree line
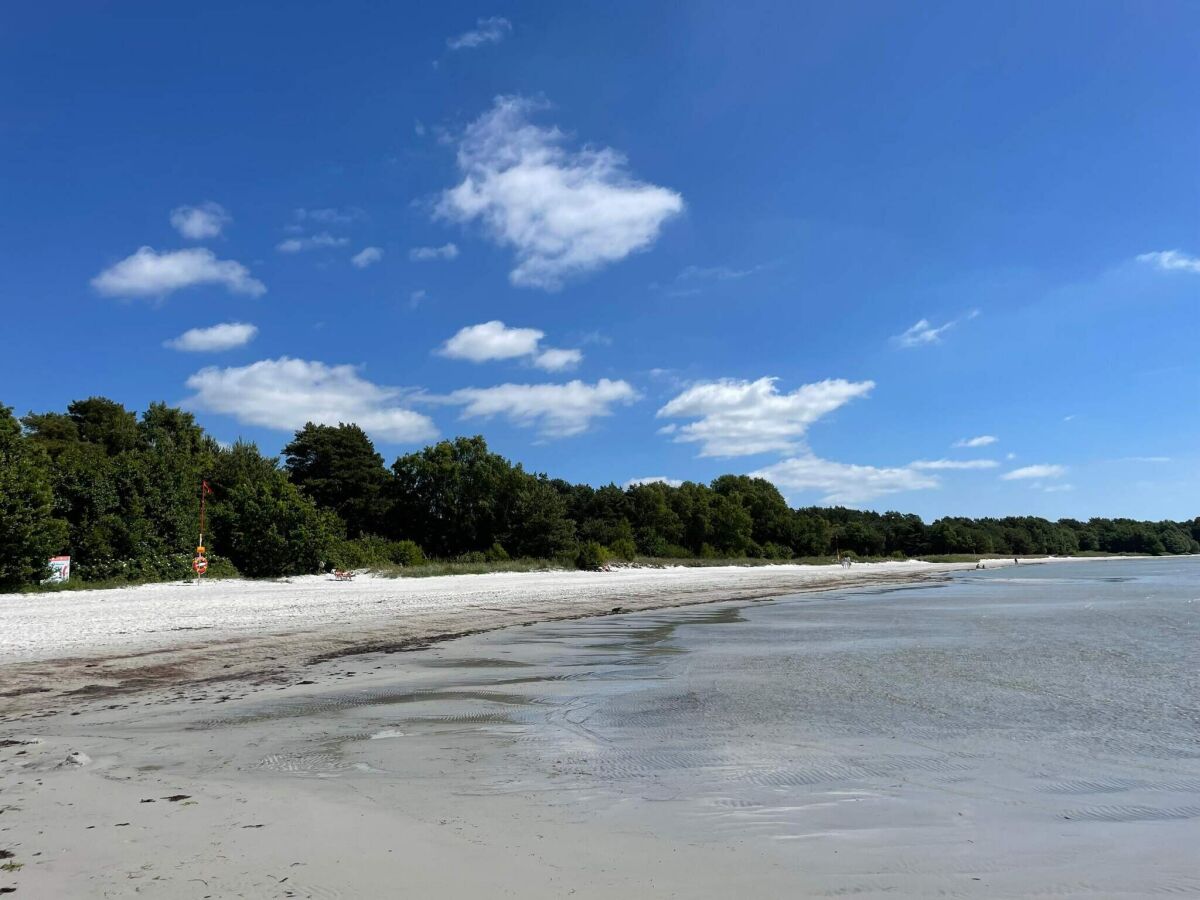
x: 119, y: 493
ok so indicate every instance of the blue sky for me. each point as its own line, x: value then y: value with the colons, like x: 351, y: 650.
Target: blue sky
x: 596, y: 232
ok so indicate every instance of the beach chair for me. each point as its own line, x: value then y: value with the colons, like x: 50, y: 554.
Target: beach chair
x: 343, y: 575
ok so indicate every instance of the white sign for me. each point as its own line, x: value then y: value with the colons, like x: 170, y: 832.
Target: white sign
x: 60, y: 570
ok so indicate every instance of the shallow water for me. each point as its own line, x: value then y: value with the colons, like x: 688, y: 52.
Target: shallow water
x: 1013, y: 732
x: 1042, y: 720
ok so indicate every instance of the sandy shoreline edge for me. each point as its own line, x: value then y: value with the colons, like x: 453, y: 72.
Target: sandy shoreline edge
x: 64, y: 649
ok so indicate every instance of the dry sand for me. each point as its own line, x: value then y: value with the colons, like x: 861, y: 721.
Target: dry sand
x: 58, y: 648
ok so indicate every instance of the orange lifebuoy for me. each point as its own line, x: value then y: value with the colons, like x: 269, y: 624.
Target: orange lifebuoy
x: 200, y: 565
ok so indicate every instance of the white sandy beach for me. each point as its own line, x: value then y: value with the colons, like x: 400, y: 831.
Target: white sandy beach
x: 175, y: 742
x: 101, y: 642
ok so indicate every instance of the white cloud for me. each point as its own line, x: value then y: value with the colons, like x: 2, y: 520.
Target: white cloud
x: 564, y: 212
x: 556, y: 410
x: 225, y: 336
x: 714, y: 273
x: 198, y: 223
x: 1171, y: 261
x: 330, y: 216
x: 367, y: 256
x: 286, y: 393
x: 554, y: 359
x: 738, y: 418
x: 324, y: 239
x: 1058, y: 488
x: 843, y: 482
x: 653, y: 479
x: 982, y: 441
x: 1146, y: 459
x: 148, y: 273
x: 424, y: 254
x: 486, y: 31
x: 415, y: 298
x: 495, y: 340
x: 921, y: 334
x: 1038, y: 471
x: 491, y: 340
x: 954, y: 464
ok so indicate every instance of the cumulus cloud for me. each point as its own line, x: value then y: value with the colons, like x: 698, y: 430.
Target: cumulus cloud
x: 982, y: 440
x: 494, y: 340
x: 148, y: 273
x: 1171, y: 261
x: 1038, y: 471
x: 555, y: 359
x: 739, y: 418
x: 843, y: 483
x: 366, y: 257
x: 425, y: 254
x: 286, y: 393
x: 555, y: 410
x: 486, y: 31
x: 300, y: 244
x: 225, y: 336
x: 954, y: 464
x: 654, y: 479
x: 199, y: 223
x: 564, y: 212
x: 491, y: 340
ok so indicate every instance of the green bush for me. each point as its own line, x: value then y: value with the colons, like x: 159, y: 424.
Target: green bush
x: 624, y: 548
x: 372, y: 551
x: 158, y: 567
x: 497, y: 553
x: 591, y: 556
x: 776, y: 551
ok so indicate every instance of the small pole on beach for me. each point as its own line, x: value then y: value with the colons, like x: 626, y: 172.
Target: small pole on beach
x: 200, y: 563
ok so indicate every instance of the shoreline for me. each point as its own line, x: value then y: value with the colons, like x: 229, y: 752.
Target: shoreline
x: 86, y: 647
x: 886, y: 741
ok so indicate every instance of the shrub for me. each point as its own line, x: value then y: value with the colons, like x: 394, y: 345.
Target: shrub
x: 157, y: 567
x: 497, y: 553
x: 373, y: 551
x: 624, y: 548
x: 407, y: 553
x: 591, y: 556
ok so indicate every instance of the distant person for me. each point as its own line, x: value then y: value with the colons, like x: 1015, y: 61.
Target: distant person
x: 1016, y: 562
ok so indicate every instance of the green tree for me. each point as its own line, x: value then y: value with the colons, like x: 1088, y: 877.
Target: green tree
x: 538, y: 524
x: 454, y: 497
x: 262, y: 522
x: 337, y: 467
x: 29, y: 532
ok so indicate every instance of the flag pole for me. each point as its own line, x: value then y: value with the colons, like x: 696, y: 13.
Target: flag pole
x: 200, y: 563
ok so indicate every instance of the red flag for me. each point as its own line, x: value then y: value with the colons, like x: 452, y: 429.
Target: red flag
x: 204, y: 488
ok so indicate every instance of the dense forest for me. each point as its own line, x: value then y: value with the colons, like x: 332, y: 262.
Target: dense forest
x: 120, y: 495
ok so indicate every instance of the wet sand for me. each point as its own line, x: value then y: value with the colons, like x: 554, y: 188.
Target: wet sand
x: 59, y: 649
x: 1028, y: 732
